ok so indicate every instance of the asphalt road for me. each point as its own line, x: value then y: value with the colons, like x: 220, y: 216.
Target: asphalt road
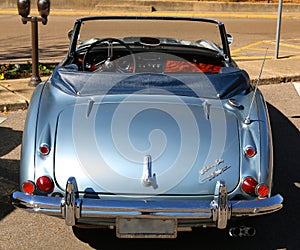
x: 250, y: 37
x: 24, y: 230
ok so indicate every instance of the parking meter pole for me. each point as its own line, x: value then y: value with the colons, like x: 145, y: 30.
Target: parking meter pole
x: 24, y: 11
x: 35, y: 78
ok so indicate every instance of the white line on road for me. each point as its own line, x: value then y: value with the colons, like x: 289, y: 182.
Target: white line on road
x: 297, y: 87
x: 2, y: 119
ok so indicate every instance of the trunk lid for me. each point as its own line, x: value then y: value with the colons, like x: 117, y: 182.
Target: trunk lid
x: 147, y: 145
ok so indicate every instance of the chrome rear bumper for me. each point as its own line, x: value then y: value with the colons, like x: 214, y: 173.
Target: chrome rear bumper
x: 73, y: 209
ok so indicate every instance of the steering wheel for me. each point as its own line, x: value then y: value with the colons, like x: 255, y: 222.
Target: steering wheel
x: 107, y: 64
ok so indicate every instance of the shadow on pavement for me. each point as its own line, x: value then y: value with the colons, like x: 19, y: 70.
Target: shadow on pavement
x: 9, y: 169
x: 23, y: 54
x: 279, y: 230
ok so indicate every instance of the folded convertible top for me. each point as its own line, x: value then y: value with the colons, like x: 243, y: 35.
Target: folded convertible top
x: 227, y: 83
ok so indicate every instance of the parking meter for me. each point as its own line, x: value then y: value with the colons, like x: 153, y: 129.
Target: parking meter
x: 24, y: 9
x: 44, y: 9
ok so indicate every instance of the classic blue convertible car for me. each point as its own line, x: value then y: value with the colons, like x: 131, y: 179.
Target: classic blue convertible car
x: 147, y: 127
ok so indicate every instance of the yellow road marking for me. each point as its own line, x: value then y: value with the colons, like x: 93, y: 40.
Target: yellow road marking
x: 155, y: 13
x: 247, y: 46
x: 287, y: 45
x: 270, y: 49
x: 237, y: 58
x: 244, y: 58
x: 253, y: 47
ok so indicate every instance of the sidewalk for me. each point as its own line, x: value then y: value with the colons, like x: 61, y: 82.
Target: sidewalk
x: 16, y: 94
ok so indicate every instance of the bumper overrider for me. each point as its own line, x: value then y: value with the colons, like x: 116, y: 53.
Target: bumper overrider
x: 77, y: 210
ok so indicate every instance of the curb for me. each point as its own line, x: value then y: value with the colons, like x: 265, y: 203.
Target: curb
x: 276, y: 80
x: 4, y: 108
x: 265, y: 81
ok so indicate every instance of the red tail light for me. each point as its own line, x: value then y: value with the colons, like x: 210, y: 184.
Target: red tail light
x: 250, y: 151
x: 44, y: 149
x: 28, y: 187
x: 248, y: 185
x: 262, y: 190
x: 45, y: 184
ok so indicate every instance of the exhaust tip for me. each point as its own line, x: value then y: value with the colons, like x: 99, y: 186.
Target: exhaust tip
x: 242, y: 231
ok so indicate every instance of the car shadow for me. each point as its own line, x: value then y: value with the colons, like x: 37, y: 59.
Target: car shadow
x: 9, y: 169
x: 279, y: 230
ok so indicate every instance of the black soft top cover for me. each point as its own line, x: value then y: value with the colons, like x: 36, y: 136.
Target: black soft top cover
x: 225, y: 84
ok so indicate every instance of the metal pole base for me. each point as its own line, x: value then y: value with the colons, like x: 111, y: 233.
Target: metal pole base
x: 34, y: 81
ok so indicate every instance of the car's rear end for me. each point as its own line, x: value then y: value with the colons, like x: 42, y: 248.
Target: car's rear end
x: 148, y: 153
x: 148, y: 159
